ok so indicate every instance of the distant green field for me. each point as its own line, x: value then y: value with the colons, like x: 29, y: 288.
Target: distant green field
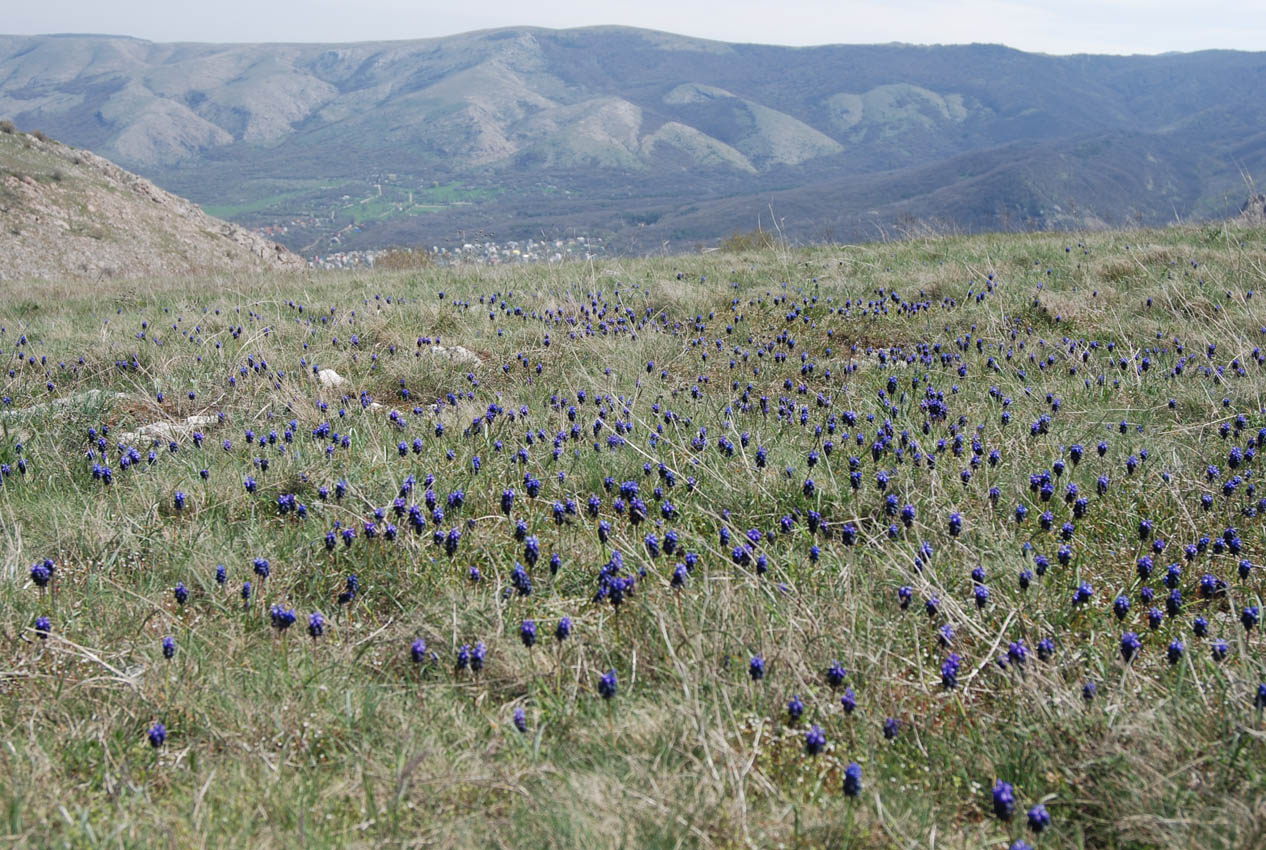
x: 290, y: 197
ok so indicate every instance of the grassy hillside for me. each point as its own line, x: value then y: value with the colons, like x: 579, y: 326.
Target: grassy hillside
x: 69, y: 213
x: 973, y: 521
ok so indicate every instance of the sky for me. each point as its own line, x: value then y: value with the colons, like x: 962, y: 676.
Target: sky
x: 1047, y: 26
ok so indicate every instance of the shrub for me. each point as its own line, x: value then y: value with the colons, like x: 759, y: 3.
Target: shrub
x: 752, y: 240
x: 403, y: 259
x: 6, y: 127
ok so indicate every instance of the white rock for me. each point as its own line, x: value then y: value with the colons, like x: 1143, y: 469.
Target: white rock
x: 330, y: 378
x: 455, y: 353
x: 167, y: 431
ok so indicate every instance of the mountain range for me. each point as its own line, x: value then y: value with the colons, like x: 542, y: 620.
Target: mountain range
x: 649, y: 137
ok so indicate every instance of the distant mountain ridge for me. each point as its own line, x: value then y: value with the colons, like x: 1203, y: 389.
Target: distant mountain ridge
x: 653, y: 135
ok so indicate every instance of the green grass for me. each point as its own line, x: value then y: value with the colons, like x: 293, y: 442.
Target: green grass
x: 306, y: 192
x: 341, y: 741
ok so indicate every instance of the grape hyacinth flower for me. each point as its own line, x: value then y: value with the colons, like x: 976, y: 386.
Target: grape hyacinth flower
x: 527, y: 633
x: 169, y: 647
x: 756, y: 668
x: 282, y: 617
x: 42, y: 573
x: 949, y: 671
x: 316, y: 624
x: 814, y: 740
x: 608, y: 684
x: 853, y: 780
x: 1130, y: 645
x: 1039, y: 818
x: 157, y: 735
x: 1003, y: 800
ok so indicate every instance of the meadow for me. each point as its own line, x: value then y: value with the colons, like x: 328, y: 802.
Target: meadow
x: 952, y: 542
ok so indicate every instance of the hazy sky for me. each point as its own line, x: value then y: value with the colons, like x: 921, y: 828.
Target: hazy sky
x: 1051, y: 26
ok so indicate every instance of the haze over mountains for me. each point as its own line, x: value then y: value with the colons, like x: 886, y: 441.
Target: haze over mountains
x: 647, y: 136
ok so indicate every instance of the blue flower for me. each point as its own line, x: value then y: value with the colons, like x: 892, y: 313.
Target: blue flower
x: 1039, y: 818
x: 608, y: 684
x: 756, y: 668
x: 949, y: 671
x: 157, y: 735
x: 527, y: 633
x: 814, y: 740
x: 282, y: 617
x: 41, y: 574
x: 891, y: 727
x: 1130, y: 645
x: 853, y: 780
x: 316, y: 624
x: 1003, y: 800
x: 169, y: 647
